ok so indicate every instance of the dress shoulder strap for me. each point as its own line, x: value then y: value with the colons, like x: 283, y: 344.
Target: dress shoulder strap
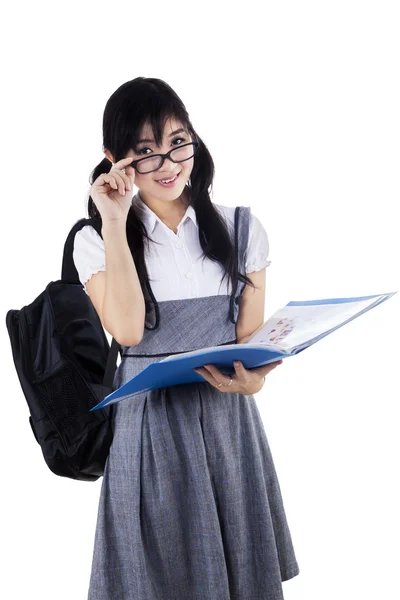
x: 241, y: 237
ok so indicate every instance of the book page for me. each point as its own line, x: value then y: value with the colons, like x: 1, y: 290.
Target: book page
x: 292, y: 325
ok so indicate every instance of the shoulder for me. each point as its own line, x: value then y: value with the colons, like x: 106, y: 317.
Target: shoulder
x: 228, y: 212
x: 88, y: 247
x: 88, y: 253
x: 87, y: 237
x: 257, y: 251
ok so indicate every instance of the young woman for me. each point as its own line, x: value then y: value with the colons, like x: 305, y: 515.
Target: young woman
x: 190, y: 505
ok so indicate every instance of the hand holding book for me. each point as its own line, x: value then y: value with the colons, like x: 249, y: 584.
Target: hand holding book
x: 244, y: 381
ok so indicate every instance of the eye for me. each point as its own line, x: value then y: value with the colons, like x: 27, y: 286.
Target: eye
x: 142, y: 150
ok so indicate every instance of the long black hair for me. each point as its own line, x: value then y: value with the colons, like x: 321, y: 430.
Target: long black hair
x: 149, y: 100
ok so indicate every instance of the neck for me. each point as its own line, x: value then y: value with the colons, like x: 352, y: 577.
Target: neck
x: 167, y: 210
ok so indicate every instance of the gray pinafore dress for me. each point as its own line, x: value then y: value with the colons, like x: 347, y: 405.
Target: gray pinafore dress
x: 190, y: 505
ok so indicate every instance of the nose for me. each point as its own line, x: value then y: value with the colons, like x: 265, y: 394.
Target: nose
x: 169, y: 168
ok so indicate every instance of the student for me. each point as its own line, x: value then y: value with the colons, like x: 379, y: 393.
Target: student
x: 190, y: 505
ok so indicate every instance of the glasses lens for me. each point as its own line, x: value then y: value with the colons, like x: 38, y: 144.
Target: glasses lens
x: 184, y: 153
x: 153, y: 163
x: 149, y: 164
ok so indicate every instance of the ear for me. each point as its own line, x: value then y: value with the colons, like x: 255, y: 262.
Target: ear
x: 109, y: 156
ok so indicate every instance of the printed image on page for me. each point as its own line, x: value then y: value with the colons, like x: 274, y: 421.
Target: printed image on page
x: 293, y: 325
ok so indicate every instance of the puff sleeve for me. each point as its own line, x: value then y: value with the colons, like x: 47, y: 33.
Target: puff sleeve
x: 88, y: 254
x: 257, y: 247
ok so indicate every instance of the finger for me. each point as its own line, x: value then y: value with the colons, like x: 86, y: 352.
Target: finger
x: 117, y: 175
x: 213, y: 370
x: 128, y: 180
x: 130, y: 171
x: 240, y: 370
x: 216, y: 374
x: 208, y: 377
x: 121, y: 164
x: 110, y: 180
x: 204, y: 373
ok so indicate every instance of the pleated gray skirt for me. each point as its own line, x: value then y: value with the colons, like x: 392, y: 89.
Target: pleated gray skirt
x: 190, y: 504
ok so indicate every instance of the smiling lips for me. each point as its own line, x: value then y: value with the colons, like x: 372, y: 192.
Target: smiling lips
x: 167, y: 181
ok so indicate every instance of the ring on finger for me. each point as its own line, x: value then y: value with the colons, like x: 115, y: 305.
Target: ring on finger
x: 230, y: 382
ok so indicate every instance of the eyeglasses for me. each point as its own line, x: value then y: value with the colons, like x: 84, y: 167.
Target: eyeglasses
x: 155, y: 162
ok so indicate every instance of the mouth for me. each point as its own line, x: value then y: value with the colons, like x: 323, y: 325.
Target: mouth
x: 170, y: 181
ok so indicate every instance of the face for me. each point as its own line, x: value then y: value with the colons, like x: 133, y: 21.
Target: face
x: 150, y: 189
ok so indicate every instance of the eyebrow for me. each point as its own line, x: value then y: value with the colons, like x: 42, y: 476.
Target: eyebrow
x: 148, y: 141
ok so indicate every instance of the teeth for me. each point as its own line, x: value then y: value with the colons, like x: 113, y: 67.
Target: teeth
x: 168, y: 180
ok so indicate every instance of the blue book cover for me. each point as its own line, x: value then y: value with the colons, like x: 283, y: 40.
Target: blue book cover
x: 290, y: 330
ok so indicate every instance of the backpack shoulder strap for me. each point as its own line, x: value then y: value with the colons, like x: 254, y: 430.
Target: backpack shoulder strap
x: 69, y: 274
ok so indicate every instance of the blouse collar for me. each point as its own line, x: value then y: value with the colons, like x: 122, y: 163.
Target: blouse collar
x: 150, y: 219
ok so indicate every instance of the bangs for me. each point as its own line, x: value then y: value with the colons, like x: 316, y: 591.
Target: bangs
x: 157, y: 118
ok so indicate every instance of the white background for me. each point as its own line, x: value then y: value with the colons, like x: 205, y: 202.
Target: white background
x: 298, y: 103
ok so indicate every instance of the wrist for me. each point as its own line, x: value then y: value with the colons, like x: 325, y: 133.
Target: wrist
x: 113, y: 225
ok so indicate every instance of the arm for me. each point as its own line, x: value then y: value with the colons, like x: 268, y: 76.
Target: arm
x: 251, y: 317
x: 251, y: 311
x: 116, y: 293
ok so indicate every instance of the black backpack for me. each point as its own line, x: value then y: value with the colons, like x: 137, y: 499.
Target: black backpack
x: 65, y: 367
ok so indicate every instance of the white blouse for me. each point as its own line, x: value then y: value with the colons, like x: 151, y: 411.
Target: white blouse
x: 175, y: 264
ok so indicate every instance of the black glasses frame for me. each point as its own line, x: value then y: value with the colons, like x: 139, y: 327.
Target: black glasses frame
x: 164, y: 156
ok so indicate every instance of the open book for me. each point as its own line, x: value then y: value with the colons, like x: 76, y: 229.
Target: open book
x: 287, y: 332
